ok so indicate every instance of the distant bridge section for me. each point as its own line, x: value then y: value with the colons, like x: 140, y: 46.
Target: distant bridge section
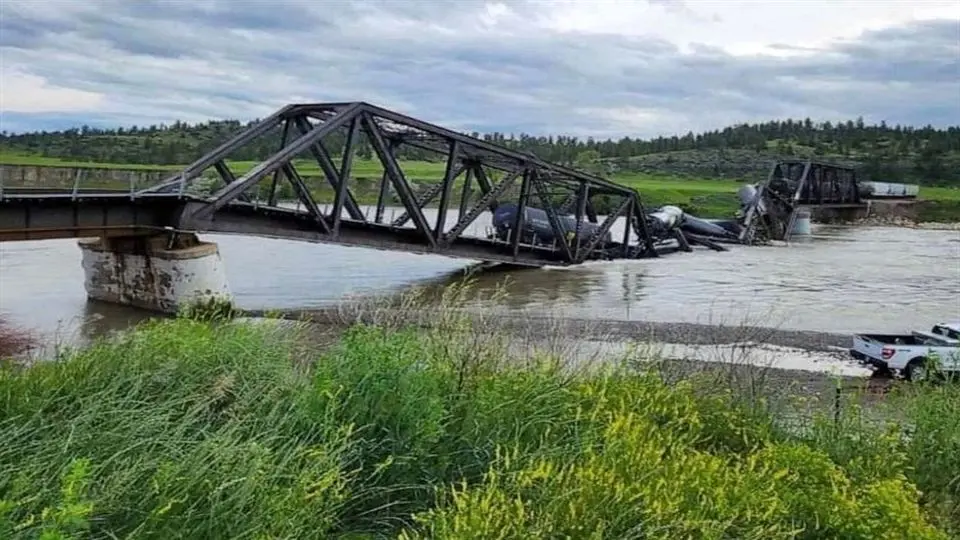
x: 770, y: 210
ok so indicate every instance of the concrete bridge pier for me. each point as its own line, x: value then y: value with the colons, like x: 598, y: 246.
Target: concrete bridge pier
x: 151, y: 272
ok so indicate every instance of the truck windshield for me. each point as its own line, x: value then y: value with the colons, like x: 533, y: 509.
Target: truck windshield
x: 946, y: 332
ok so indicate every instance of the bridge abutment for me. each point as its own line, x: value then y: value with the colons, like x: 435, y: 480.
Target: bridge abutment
x: 150, y: 273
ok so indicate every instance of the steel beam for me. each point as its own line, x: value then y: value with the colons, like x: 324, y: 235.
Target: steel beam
x: 227, y: 194
x: 391, y: 166
x: 53, y: 216
x: 479, y: 207
x: 228, y: 177
x: 450, y: 174
x: 465, y: 192
x: 483, y: 181
x: 346, y: 163
x: 641, y: 226
x: 272, y: 200
x: 304, y: 195
x: 627, y: 227
x: 519, y: 157
x: 330, y: 172
x: 219, y: 153
x: 583, y: 198
x: 518, y: 219
x: 598, y: 235
x: 552, y: 216
x: 431, y: 193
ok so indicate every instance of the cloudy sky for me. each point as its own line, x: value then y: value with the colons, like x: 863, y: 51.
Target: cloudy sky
x: 590, y: 67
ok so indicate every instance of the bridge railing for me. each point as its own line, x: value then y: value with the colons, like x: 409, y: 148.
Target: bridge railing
x: 77, y: 179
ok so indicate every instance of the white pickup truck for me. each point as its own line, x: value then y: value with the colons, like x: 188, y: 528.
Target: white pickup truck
x: 910, y: 354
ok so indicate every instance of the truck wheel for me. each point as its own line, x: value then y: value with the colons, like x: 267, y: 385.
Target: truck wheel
x: 916, y: 370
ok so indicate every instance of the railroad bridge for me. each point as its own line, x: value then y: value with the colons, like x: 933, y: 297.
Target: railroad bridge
x: 140, y: 243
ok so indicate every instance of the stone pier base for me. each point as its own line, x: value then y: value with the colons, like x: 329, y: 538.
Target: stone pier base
x: 148, y: 273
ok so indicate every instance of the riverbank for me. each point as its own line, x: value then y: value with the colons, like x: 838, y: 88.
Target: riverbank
x: 187, y: 429
x: 813, y: 361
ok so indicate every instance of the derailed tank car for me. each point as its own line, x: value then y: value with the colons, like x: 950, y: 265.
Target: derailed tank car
x: 536, y: 229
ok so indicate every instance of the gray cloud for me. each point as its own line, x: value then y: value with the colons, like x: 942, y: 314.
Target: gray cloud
x: 464, y: 64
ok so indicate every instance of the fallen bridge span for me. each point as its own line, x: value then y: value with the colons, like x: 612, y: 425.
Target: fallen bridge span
x: 540, y: 213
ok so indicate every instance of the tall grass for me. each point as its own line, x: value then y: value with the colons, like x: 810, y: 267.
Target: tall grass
x: 227, y: 429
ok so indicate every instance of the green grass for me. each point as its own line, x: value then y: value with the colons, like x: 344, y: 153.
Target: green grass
x: 188, y: 429
x: 705, y: 197
x: 940, y: 194
x: 713, y: 197
x: 12, y: 158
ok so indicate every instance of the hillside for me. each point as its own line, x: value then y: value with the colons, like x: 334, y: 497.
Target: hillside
x: 899, y: 153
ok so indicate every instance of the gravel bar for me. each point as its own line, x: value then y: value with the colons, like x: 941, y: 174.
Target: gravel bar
x: 588, y: 329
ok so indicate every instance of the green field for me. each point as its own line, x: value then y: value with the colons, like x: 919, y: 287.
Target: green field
x: 701, y: 196
x: 192, y: 429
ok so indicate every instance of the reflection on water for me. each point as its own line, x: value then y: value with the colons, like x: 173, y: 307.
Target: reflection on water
x: 844, y: 279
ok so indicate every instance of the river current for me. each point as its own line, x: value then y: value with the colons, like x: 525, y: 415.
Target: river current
x: 843, y: 279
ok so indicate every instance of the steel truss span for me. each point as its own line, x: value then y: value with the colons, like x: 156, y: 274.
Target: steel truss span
x: 557, y: 210
x: 770, y: 208
x: 539, y: 213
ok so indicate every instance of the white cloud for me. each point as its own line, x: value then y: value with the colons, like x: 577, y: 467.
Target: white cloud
x: 23, y: 92
x: 587, y: 67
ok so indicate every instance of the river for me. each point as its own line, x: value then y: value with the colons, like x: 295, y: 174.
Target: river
x: 843, y: 279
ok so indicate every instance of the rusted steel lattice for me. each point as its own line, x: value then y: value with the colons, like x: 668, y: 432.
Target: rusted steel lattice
x: 531, y: 200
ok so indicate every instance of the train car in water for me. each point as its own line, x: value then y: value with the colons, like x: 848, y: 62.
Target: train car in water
x: 536, y: 227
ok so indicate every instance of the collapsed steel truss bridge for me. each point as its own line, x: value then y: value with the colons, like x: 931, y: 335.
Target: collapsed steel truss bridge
x: 478, y: 177
x: 542, y: 213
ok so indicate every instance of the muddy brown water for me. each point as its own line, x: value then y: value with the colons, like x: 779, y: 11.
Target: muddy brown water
x: 842, y: 280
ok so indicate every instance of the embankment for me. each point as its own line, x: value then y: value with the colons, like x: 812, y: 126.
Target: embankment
x: 932, y: 214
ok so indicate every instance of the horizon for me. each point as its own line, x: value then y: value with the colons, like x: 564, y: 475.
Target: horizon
x: 639, y: 69
x: 169, y: 125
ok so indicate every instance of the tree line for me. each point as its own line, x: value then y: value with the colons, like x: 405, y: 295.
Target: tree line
x: 925, y: 154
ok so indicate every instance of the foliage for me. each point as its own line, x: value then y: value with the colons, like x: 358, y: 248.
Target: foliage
x: 891, y: 153
x: 187, y: 429
x: 209, y: 308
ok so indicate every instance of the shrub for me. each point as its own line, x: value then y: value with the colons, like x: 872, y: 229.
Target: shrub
x: 645, y: 478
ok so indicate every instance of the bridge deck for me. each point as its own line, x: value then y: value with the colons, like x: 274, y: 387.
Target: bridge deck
x: 49, y: 214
